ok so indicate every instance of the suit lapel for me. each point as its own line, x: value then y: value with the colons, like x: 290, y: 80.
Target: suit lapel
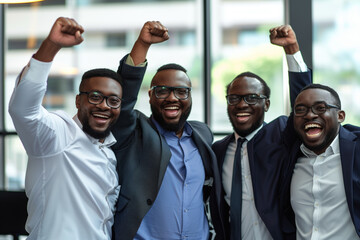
x: 164, y: 151
x: 347, y: 154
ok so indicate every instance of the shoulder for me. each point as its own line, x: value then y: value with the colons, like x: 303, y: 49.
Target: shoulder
x: 350, y: 131
x: 200, y: 126
x: 201, y: 129
x: 222, y: 143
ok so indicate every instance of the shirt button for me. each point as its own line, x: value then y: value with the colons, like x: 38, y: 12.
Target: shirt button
x: 149, y: 202
x: 185, y: 210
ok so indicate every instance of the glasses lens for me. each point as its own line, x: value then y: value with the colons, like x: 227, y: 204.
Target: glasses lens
x: 251, y: 99
x: 181, y: 93
x: 300, y: 110
x: 95, y: 97
x: 233, y: 99
x: 113, y: 102
x: 319, y: 108
x: 162, y: 92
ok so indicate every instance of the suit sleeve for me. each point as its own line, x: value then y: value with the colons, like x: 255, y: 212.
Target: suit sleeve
x: 297, y: 81
x: 132, y: 78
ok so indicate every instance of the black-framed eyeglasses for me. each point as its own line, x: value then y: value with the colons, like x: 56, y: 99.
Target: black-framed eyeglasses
x: 250, y: 99
x: 317, y: 108
x: 162, y: 92
x: 95, y: 97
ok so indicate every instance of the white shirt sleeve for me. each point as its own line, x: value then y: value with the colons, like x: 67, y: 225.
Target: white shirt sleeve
x: 296, y: 62
x: 36, y: 127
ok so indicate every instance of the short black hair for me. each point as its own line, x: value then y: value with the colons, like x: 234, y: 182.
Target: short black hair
x: 266, y: 88
x: 326, y: 88
x: 171, y: 66
x: 100, y: 72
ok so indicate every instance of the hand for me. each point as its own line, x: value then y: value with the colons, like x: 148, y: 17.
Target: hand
x: 284, y: 36
x: 153, y: 32
x: 66, y: 32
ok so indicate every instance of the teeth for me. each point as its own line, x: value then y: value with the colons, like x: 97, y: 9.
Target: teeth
x: 312, y: 125
x: 242, y: 114
x: 100, y: 115
x: 171, y: 108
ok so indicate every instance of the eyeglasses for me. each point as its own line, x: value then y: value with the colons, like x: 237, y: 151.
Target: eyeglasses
x: 97, y: 98
x: 163, y: 92
x: 317, y: 108
x: 250, y: 99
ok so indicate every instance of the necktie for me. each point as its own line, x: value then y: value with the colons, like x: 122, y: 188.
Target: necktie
x: 236, y: 194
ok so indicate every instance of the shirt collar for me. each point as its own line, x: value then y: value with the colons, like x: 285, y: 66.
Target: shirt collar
x: 334, y: 148
x: 109, y: 140
x: 250, y: 136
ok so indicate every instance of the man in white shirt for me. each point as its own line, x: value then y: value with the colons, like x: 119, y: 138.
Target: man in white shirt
x: 260, y: 157
x: 71, y: 179
x: 323, y: 177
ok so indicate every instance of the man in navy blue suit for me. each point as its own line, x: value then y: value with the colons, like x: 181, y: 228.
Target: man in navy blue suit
x: 323, y: 177
x: 262, y: 153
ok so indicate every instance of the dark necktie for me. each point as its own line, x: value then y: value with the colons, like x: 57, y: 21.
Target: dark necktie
x: 236, y: 194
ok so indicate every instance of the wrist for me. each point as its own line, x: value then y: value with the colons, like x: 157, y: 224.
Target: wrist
x: 47, y: 51
x: 291, y: 49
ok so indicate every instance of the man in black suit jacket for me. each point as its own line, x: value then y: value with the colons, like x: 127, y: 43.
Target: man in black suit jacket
x: 263, y: 151
x: 151, y: 166
x: 323, y: 175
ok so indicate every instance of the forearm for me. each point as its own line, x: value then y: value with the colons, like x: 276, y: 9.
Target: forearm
x: 139, y: 51
x: 296, y: 62
x: 29, y: 88
x: 47, y: 51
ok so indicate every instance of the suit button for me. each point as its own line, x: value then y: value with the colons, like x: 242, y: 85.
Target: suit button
x: 149, y: 202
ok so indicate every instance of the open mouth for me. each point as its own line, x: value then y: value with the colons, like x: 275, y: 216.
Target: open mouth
x: 171, y: 111
x: 100, y: 118
x: 313, y: 130
x: 242, y: 117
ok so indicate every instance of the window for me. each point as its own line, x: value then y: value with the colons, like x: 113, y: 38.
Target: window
x: 336, y: 51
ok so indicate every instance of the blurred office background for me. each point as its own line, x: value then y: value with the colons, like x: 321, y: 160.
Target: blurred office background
x: 215, y: 40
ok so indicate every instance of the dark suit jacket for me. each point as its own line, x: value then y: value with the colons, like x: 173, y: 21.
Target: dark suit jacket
x: 349, y: 140
x: 143, y: 155
x: 267, y: 151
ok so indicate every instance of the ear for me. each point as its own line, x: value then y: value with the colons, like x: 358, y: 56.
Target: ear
x: 77, y: 101
x: 149, y: 93
x: 341, y: 116
x: 267, y: 105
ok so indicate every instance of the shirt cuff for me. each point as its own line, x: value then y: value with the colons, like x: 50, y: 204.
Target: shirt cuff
x: 296, y: 62
x: 129, y: 61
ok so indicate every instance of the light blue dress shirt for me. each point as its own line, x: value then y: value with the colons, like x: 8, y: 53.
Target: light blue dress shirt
x: 178, y: 211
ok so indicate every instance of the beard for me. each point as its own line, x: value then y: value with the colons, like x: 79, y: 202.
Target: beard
x: 96, y: 134
x: 173, y: 127
x: 245, y: 132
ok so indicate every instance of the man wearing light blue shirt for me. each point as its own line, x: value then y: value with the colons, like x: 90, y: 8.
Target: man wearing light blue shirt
x: 168, y: 172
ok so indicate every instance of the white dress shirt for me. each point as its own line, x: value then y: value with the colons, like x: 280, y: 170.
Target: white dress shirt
x: 71, y: 179
x: 252, y: 226
x: 318, y: 197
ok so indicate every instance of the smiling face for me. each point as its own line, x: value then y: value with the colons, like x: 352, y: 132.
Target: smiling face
x: 317, y: 131
x: 97, y: 119
x: 246, y: 118
x: 171, y: 113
